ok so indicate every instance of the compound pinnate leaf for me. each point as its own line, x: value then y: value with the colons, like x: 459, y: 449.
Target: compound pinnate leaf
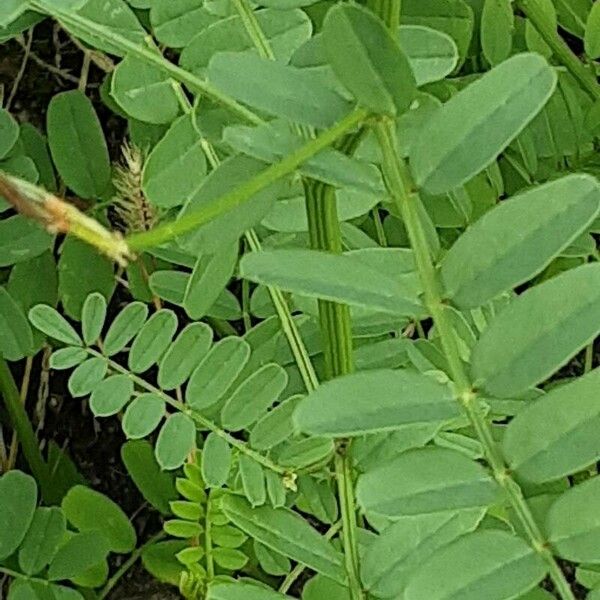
x: 280, y: 90
x: 77, y: 144
x: 253, y: 397
x: 573, y: 523
x: 184, y: 355
x: 111, y: 395
x: 176, y: 440
x: 88, y: 510
x: 569, y: 418
x: 493, y: 564
x: 451, y: 150
x: 125, y: 326
x: 215, y: 374
x: 381, y: 400
x: 288, y: 533
x: 18, y: 498
x: 41, y: 542
x: 538, y: 332
x: 368, y: 60
x: 143, y: 416
x: 216, y: 460
x: 93, y: 314
x: 152, y: 340
x: 425, y: 481
x: 517, y: 239
x: 49, y: 321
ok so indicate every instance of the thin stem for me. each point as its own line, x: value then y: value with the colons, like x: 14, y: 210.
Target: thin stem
x: 336, y: 329
x: 197, y: 417
x: 194, y: 83
x: 254, y: 29
x: 14, y: 443
x: 27, y: 48
x: 589, y: 358
x: 244, y: 192
x: 208, y: 546
x: 133, y: 558
x: 22, y: 425
x: 536, y: 14
x: 405, y: 195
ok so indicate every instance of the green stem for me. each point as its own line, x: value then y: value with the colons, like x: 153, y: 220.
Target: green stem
x: 168, y: 231
x: 324, y: 233
x: 133, y: 558
x: 197, y: 417
x: 208, y: 545
x: 254, y: 29
x: 536, y: 14
x: 192, y: 82
x: 404, y: 194
x: 388, y: 11
x: 22, y: 425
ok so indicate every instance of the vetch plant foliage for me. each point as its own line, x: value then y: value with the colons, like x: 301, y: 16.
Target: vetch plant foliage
x: 351, y: 327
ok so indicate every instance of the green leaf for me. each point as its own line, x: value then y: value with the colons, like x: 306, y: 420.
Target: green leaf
x: 453, y: 17
x: 533, y: 38
x: 184, y: 355
x: 176, y: 167
x: 322, y: 587
x: 88, y: 510
x: 253, y: 480
x: 36, y: 148
x: 16, y: 339
x: 518, y: 239
x: 242, y: 591
x: 339, y: 278
x: 111, y: 395
x: 216, y: 460
x: 152, y: 340
x: 569, y: 419
x: 211, y: 274
x: 49, y: 321
x: 254, y: 397
x: 87, y: 376
x: 160, y: 561
x: 176, y: 23
x: 22, y: 239
x: 280, y: 90
x: 284, y: 30
x: 81, y: 271
x: 300, y: 453
x: 228, y: 536
x: 592, y: 32
x: 93, y: 315
x: 425, y: 481
x: 125, y: 326
x: 41, y: 542
x: 288, y: 533
x: 67, y: 358
x: 402, y: 548
x: 497, y: 27
x: 431, y: 54
x: 156, y: 486
x: 176, y: 440
x: 276, y: 426
x: 229, y: 558
x: 573, y: 523
x: 9, y: 128
x: 215, y: 374
x: 79, y: 553
x: 492, y: 563
x: 368, y: 60
x: 18, y: 499
x: 381, y: 400
x: 144, y: 92
x: 538, y: 333
x: 77, y: 144
x: 143, y: 416
x: 271, y: 562
x: 451, y: 150
x: 182, y: 528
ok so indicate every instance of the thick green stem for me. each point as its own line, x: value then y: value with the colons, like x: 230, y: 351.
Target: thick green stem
x: 168, y: 231
x: 22, y: 425
x: 536, y: 14
x: 324, y: 232
x: 405, y: 195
